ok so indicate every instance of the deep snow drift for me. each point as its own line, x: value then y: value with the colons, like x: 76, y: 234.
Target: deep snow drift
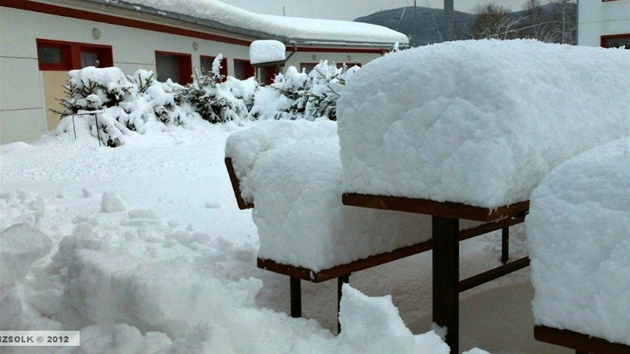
x: 142, y: 248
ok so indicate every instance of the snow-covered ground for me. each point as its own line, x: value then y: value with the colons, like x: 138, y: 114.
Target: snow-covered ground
x: 143, y: 249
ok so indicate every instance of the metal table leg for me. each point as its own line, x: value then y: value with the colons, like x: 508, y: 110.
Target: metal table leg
x: 446, y: 278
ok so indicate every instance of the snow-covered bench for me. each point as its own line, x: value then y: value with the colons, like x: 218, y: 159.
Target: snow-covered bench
x: 291, y: 171
x: 466, y: 130
x: 578, y: 233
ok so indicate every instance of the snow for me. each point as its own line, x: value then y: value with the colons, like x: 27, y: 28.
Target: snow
x: 265, y: 51
x: 291, y: 170
x: 577, y: 232
x: 165, y: 273
x: 478, y: 122
x: 303, y: 30
x: 142, y: 248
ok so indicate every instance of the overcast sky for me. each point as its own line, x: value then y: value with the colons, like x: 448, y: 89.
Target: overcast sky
x: 351, y: 9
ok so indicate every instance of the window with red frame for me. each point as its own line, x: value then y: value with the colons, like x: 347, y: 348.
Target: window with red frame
x: 174, y: 66
x: 62, y: 56
x: 243, y: 69
x: 616, y: 41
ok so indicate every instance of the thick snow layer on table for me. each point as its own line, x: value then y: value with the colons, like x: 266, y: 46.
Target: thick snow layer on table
x: 291, y: 170
x: 478, y: 122
x: 244, y: 148
x: 265, y: 51
x: 304, y: 29
x: 577, y: 232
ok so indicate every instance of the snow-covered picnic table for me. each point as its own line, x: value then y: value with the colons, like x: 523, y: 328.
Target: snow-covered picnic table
x: 451, y: 134
x: 466, y: 130
x: 578, y: 233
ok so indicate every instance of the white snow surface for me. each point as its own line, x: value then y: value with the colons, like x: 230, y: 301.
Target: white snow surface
x: 577, y: 232
x: 478, y: 122
x: 291, y: 170
x: 142, y: 249
x: 266, y: 50
x: 304, y: 30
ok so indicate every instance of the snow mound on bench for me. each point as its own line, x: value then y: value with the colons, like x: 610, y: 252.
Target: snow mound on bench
x: 478, y: 122
x: 577, y: 233
x: 292, y: 172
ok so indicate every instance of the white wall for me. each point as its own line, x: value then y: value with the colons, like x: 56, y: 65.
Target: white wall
x: 597, y: 18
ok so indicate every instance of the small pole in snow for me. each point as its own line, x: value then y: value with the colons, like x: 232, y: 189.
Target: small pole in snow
x: 449, y: 28
x: 415, y: 19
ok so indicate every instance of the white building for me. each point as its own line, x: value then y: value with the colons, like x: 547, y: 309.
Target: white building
x: 604, y: 23
x: 41, y: 40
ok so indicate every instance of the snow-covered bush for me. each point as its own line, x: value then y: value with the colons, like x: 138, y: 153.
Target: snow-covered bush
x: 314, y: 95
x: 325, y: 83
x: 218, y: 99
x: 112, y: 105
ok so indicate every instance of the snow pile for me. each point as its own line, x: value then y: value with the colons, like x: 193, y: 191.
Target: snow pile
x: 389, y: 333
x: 478, y: 122
x: 577, y: 232
x: 265, y: 51
x: 20, y: 246
x: 291, y: 170
x: 292, y: 28
x: 132, y: 283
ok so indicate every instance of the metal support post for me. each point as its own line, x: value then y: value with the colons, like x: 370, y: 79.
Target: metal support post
x: 446, y: 278
x: 505, y: 245
x: 296, y: 297
x: 344, y: 279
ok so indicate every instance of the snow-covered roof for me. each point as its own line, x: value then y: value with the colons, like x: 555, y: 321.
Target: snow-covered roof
x: 305, y: 31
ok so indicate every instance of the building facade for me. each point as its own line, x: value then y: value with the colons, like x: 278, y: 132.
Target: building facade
x: 604, y: 23
x: 42, y: 40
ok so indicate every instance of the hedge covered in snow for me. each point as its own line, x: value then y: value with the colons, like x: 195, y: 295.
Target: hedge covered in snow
x: 112, y: 106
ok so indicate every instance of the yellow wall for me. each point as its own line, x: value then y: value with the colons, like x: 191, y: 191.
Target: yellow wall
x: 53, y: 92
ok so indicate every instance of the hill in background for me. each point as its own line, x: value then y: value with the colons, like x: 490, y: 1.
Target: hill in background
x: 429, y: 23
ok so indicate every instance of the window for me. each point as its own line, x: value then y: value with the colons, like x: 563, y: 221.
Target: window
x: 63, y: 56
x: 266, y: 74
x: 206, y: 64
x: 243, y: 69
x: 53, y: 56
x: 174, y: 66
x: 616, y: 41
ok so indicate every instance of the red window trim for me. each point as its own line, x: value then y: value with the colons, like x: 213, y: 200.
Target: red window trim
x: 185, y: 65
x: 66, y: 56
x: 604, y: 39
x: 71, y: 54
x: 249, y: 69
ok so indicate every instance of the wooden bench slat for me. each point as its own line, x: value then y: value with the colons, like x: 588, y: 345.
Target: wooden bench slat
x: 431, y: 207
x: 578, y: 341
x: 382, y: 258
x: 236, y: 186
